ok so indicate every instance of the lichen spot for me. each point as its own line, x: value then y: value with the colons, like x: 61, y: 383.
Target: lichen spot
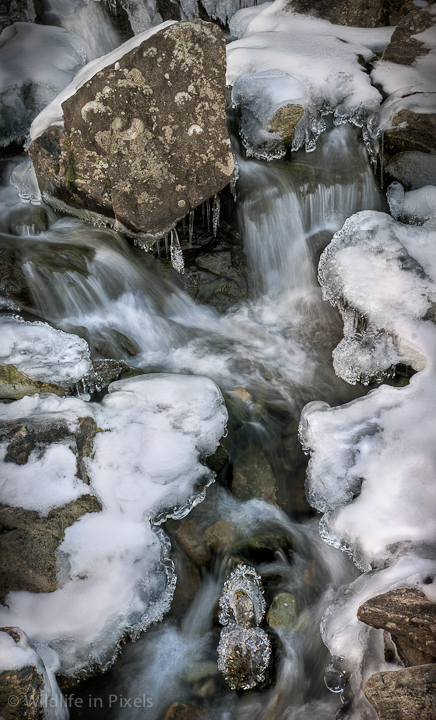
x: 95, y: 107
x: 181, y: 203
x: 181, y: 98
x: 135, y: 129
x: 195, y: 129
x: 117, y: 66
x: 166, y: 76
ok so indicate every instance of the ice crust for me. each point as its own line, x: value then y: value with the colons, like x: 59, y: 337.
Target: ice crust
x: 309, y: 61
x: 376, y: 487
x: 52, y: 114
x: 43, y: 353
x: 222, y: 10
x: 113, y: 577
x: 36, y: 63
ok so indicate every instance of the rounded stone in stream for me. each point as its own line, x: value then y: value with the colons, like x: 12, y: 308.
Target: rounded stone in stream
x: 282, y: 612
x: 242, y: 600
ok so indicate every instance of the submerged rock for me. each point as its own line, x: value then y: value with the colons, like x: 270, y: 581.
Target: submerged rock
x: 183, y: 711
x: 282, y: 613
x: 127, y: 127
x: 404, y: 694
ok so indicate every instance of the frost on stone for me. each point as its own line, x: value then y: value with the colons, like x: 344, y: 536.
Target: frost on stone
x: 36, y: 63
x: 244, y: 650
x: 43, y: 353
x: 372, y: 463
x: 242, y: 600
x: 415, y: 207
x: 303, y: 61
x: 114, y: 575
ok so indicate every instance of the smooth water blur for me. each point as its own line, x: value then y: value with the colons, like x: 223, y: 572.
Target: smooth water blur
x: 277, y: 346
x: 89, y: 20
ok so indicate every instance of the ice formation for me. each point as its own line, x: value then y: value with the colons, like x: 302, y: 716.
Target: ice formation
x: 373, y: 461
x: 222, y: 10
x: 295, y: 59
x: 43, y: 353
x: 36, y: 63
x: 113, y: 575
x: 244, y: 650
x: 52, y: 113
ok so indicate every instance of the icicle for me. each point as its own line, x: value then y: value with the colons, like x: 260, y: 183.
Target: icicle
x: 208, y: 214
x: 191, y: 226
x: 216, y: 213
x: 235, y: 178
x: 176, y: 253
x: 166, y: 245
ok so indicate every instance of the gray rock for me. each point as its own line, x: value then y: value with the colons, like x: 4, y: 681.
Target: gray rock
x: 405, y: 613
x: 404, y: 694
x: 22, y: 685
x: 417, y: 135
x: 357, y: 13
x: 12, y: 11
x: 282, y: 613
x: 127, y: 129
x: 414, y: 170
x: 403, y: 49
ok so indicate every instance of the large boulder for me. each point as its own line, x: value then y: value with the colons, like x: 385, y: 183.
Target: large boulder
x: 145, y: 139
x: 403, y: 47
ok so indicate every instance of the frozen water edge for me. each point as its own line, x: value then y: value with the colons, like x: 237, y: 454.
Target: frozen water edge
x: 114, y: 577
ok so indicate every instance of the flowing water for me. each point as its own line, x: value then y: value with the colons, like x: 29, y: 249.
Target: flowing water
x: 276, y: 346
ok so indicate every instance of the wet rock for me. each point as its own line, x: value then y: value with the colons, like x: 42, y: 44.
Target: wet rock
x: 15, y: 385
x: 13, y: 283
x: 12, y: 11
x: 201, y: 671
x: 410, y: 655
x: 404, y: 49
x: 404, y: 694
x: 217, y: 460
x: 414, y: 170
x: 187, y: 585
x: 405, y: 613
x: 183, y: 711
x: 253, y: 477
x: 357, y: 13
x: 282, y: 613
x: 132, y: 122
x: 28, y: 544
x: 204, y: 688
x: 220, y: 536
x: 190, y: 537
x: 28, y: 220
x: 106, y: 371
x: 23, y: 685
x: 417, y: 133
x: 260, y: 549
x: 284, y: 122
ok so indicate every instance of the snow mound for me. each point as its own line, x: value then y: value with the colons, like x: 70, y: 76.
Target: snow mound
x: 114, y: 577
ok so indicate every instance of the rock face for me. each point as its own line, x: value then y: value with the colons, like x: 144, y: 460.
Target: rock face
x: 12, y: 11
x: 411, y: 132
x: 15, y: 385
x: 145, y: 140
x: 405, y: 613
x: 413, y: 170
x: 20, y: 688
x: 403, y: 48
x: 404, y: 694
x: 358, y: 13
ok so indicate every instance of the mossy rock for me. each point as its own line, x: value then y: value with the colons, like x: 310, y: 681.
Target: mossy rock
x: 14, y: 385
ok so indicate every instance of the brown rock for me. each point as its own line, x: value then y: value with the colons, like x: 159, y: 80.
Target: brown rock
x: 253, y: 477
x: 189, y: 535
x: 408, y: 694
x: 15, y: 385
x: 182, y: 711
x: 145, y: 140
x: 419, y: 134
x: 285, y: 121
x: 28, y: 544
x: 403, y: 48
x: 22, y: 685
x: 405, y: 613
x: 357, y: 13
x: 220, y: 536
x: 410, y: 655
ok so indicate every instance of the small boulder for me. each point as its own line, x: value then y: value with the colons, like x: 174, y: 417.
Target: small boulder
x: 405, y: 613
x: 404, y: 694
x: 22, y: 684
x: 282, y: 613
x: 403, y: 48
